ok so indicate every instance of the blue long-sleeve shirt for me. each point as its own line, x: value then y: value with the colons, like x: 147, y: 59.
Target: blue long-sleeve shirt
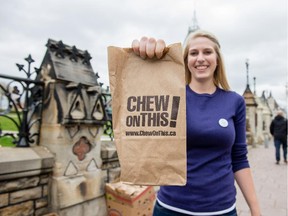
x: 216, y: 148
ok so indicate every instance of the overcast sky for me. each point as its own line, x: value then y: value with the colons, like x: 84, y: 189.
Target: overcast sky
x: 247, y: 29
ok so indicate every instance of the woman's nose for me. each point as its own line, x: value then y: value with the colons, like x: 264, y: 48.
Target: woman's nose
x: 200, y: 58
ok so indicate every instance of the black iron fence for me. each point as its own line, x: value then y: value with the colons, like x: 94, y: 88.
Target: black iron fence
x: 108, y: 127
x: 21, y: 106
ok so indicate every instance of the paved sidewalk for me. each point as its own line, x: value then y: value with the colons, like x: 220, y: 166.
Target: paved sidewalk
x: 270, y: 182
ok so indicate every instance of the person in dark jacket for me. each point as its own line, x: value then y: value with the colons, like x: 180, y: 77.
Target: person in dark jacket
x: 278, y: 129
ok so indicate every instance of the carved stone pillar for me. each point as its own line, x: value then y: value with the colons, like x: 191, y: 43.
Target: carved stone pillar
x: 72, y: 125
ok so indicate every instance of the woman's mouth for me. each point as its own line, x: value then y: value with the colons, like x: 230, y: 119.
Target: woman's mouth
x: 201, y: 67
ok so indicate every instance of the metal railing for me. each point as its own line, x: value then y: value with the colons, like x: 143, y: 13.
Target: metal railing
x: 23, y: 97
x: 108, y: 127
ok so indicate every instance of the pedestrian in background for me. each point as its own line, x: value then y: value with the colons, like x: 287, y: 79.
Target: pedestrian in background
x: 278, y: 129
x: 216, y: 137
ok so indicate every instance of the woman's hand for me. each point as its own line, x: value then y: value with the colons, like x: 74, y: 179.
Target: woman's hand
x: 148, y: 47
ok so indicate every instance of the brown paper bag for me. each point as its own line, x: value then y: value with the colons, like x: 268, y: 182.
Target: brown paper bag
x: 149, y: 116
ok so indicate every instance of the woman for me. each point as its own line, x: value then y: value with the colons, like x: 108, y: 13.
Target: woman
x: 216, y: 134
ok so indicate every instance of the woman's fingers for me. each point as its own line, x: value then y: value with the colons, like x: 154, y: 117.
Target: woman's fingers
x: 135, y: 47
x: 142, y: 47
x: 160, y: 46
x: 149, y: 47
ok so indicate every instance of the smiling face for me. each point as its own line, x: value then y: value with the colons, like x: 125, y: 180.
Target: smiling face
x: 202, y: 59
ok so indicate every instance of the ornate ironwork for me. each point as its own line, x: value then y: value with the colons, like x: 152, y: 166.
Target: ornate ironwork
x: 24, y: 97
x: 108, y: 127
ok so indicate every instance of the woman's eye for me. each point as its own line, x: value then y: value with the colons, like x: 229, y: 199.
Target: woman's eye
x: 193, y: 53
x: 208, y: 52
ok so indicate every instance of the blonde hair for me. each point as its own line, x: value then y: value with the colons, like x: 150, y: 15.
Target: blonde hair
x: 219, y: 79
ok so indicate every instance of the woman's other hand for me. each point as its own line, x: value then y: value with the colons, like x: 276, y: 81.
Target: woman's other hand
x: 149, y: 47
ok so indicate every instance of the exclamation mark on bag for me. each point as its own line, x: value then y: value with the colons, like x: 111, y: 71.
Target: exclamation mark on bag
x: 174, y: 112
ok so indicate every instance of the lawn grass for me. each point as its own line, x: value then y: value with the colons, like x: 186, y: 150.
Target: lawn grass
x: 7, y: 125
x: 7, y: 142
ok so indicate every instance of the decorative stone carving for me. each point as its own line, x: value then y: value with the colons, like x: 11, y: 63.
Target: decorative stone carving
x: 81, y: 148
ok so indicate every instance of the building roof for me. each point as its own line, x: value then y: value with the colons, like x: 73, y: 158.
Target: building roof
x: 249, y: 97
x: 193, y: 27
x: 69, y: 63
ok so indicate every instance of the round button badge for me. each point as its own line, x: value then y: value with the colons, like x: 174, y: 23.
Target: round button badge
x: 223, y: 122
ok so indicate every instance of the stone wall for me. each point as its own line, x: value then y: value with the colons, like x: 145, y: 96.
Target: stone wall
x: 24, y: 181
